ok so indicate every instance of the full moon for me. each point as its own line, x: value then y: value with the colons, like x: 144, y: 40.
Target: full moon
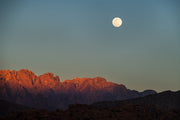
x: 117, y: 22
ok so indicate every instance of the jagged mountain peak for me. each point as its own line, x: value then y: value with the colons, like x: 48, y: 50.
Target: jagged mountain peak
x: 49, y: 77
x: 48, y: 74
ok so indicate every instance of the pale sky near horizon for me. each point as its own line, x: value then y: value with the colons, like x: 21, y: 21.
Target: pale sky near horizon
x: 77, y: 39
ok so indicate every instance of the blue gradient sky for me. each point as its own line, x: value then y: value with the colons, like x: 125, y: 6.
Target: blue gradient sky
x: 76, y: 39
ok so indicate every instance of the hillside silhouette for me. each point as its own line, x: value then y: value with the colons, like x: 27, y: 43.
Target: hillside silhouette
x: 145, y: 108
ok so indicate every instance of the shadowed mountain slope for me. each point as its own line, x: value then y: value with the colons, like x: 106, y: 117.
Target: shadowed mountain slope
x: 145, y: 108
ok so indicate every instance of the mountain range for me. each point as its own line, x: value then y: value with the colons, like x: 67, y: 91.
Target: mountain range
x: 47, y: 91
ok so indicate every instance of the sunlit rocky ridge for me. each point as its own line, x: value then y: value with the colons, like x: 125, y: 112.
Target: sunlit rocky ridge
x: 47, y: 91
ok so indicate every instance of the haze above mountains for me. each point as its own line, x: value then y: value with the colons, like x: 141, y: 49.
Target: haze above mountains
x: 46, y: 91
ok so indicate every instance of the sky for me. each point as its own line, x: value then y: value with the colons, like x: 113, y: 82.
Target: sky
x: 77, y: 39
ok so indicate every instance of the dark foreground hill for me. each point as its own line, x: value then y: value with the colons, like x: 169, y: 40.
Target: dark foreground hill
x: 134, y: 109
x: 85, y: 112
x: 46, y: 91
x: 7, y: 107
x: 166, y: 100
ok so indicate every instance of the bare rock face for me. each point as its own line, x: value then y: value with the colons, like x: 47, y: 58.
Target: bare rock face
x: 46, y: 91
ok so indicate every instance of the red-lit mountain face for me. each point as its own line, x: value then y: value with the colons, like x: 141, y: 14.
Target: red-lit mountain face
x: 46, y: 91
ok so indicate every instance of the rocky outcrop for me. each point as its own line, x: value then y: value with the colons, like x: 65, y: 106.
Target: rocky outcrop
x: 46, y: 91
